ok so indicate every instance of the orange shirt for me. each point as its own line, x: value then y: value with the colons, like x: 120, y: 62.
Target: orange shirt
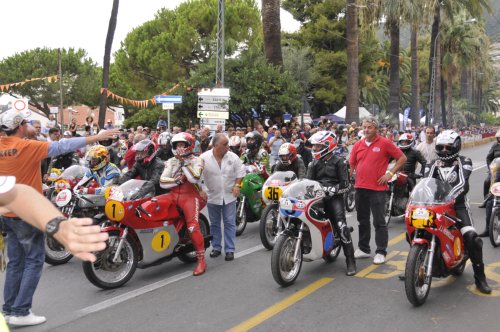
x: 22, y: 158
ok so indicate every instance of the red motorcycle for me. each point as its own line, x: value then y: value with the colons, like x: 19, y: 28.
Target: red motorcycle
x: 143, y: 232
x: 437, y: 247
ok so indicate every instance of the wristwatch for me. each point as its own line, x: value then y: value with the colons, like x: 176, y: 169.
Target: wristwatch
x: 53, y: 226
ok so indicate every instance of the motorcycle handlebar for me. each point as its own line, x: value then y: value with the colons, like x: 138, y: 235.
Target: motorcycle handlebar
x: 455, y: 219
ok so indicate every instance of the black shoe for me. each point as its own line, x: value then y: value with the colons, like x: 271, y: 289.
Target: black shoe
x: 402, y: 277
x: 351, y: 266
x: 215, y: 253
x: 485, y: 233
x: 229, y: 256
x: 482, y: 285
x: 482, y: 205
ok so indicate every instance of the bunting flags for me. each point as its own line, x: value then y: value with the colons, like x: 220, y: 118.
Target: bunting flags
x: 7, y: 87
x: 137, y: 103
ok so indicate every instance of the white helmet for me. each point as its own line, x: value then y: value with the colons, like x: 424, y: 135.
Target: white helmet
x: 164, y: 138
x: 448, y: 145
x: 235, y: 144
x: 405, y: 141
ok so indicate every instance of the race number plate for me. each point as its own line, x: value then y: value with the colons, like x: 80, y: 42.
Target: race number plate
x: 273, y: 193
x: 114, y: 210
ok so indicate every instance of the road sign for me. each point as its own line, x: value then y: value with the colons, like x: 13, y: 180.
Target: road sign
x: 213, y: 99
x: 213, y: 107
x: 169, y: 99
x: 167, y: 106
x: 20, y: 104
x: 213, y: 115
x: 220, y: 92
x: 54, y: 110
x: 205, y: 122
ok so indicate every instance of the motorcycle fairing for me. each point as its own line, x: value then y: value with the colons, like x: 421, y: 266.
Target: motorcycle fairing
x: 157, y: 243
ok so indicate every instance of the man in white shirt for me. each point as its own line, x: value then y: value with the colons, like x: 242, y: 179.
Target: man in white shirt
x: 428, y: 147
x: 222, y: 176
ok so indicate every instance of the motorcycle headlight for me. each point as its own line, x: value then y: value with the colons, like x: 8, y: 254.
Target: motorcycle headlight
x: 421, y: 218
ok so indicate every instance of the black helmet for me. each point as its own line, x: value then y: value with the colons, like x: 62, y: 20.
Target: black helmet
x: 144, y: 151
x: 254, y: 140
x: 448, y: 145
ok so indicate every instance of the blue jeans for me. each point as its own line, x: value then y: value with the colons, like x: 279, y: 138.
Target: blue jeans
x: 26, y: 254
x: 226, y: 212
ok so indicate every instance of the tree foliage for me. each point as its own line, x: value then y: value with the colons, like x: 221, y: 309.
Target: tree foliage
x: 80, y: 77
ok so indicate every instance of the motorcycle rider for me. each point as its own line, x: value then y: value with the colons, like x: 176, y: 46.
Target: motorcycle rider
x: 147, y: 167
x: 100, y: 170
x: 304, y: 152
x: 165, y: 150
x: 456, y: 169
x: 181, y: 175
x: 492, y: 154
x: 413, y: 156
x: 289, y: 161
x: 255, y: 153
x: 494, y: 171
x: 330, y: 171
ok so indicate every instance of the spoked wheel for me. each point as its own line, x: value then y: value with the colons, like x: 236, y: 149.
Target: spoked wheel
x: 283, y: 266
x: 417, y: 285
x: 106, y: 274
x: 350, y: 202
x: 495, y: 228
x: 190, y: 257
x: 241, y: 217
x: 55, y: 254
x: 269, y: 227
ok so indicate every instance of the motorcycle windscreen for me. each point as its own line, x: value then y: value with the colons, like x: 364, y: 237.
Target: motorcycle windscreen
x: 73, y: 172
x: 431, y: 191
x: 303, y: 190
x: 128, y: 190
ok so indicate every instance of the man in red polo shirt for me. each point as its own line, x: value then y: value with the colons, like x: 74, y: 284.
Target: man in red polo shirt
x: 370, y: 157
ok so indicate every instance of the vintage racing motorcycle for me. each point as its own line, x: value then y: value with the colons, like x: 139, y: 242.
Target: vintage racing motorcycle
x: 249, y: 205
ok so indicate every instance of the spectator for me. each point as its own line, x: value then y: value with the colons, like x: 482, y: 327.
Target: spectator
x: 109, y: 124
x: 428, y: 147
x: 205, y: 139
x: 54, y: 135
x: 161, y: 122
x: 369, y: 158
x: 89, y: 121
x: 274, y: 146
x: 260, y: 129
x: 222, y: 182
x: 72, y: 127
x: 38, y: 129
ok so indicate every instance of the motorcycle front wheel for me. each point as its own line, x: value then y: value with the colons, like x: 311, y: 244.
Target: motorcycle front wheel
x: 283, y: 266
x: 269, y: 225
x: 494, y: 228
x: 106, y: 274
x: 417, y: 286
x: 350, y: 202
x: 241, y: 217
x: 55, y: 255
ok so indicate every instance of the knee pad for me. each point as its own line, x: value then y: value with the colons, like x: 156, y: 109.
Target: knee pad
x: 345, y: 232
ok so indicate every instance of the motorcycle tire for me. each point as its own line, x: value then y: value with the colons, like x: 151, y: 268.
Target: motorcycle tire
x: 416, y: 287
x: 55, y: 256
x: 105, y: 274
x: 459, y: 270
x: 285, y: 271
x: 349, y: 199
x: 241, y: 222
x: 269, y: 225
x: 190, y: 257
x: 494, y: 228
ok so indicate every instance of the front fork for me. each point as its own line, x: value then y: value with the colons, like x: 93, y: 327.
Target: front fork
x: 298, y: 243
x: 120, y: 245
x: 242, y: 206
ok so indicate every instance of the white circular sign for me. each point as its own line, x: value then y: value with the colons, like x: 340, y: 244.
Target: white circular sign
x: 63, y: 197
x: 20, y: 105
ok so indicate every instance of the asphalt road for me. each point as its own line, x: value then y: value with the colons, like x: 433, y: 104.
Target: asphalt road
x: 242, y: 294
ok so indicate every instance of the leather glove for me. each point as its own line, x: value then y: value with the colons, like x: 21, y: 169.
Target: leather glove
x: 81, y: 190
x: 329, y: 190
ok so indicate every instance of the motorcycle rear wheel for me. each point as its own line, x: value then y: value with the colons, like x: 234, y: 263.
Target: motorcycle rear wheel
x: 350, y: 202
x: 53, y: 256
x: 269, y: 225
x: 416, y: 287
x: 190, y: 257
x: 494, y: 228
x: 105, y: 274
x: 285, y: 270
x: 241, y: 222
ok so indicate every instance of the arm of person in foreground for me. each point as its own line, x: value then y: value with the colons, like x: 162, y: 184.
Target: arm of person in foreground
x: 77, y: 235
x: 71, y: 144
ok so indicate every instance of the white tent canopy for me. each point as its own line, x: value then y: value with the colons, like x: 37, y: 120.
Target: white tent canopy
x: 363, y: 112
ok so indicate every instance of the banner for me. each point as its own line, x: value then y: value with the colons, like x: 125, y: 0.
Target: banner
x: 137, y: 103
x: 406, y: 115
x: 7, y: 87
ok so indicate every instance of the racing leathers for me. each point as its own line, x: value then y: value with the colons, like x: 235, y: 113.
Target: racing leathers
x: 492, y: 154
x: 331, y: 173
x: 260, y: 159
x: 456, y: 172
x: 297, y: 166
x: 182, y: 176
x: 105, y: 177
x: 150, y: 172
x: 413, y: 156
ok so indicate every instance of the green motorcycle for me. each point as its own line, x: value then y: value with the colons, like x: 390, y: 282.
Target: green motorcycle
x: 249, y: 205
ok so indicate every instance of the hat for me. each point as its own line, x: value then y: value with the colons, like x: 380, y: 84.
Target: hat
x: 11, y: 119
x: 67, y: 133
x: 6, y: 183
x: 275, y: 127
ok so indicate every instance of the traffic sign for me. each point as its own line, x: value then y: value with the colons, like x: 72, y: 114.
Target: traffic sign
x: 54, y: 110
x: 213, y: 99
x: 220, y: 92
x: 205, y: 121
x: 213, y: 107
x: 20, y: 104
x: 167, y: 106
x: 168, y: 99
x: 213, y: 115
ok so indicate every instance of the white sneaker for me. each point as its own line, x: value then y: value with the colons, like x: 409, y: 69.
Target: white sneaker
x: 28, y: 320
x: 379, y: 259
x: 361, y: 254
x: 7, y: 318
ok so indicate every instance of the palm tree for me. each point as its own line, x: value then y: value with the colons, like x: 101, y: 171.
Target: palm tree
x: 352, y: 97
x: 107, y: 60
x: 271, y: 26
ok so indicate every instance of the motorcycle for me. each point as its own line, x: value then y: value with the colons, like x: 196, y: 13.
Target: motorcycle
x: 270, y: 223
x: 494, y: 228
x: 249, y: 205
x: 437, y: 246
x: 397, y: 199
x: 308, y: 234
x: 71, y: 205
x: 67, y: 179
x: 143, y: 232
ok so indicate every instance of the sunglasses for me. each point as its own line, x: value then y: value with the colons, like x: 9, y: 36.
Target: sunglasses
x: 443, y: 147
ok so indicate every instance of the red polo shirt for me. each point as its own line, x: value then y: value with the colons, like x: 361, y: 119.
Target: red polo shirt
x: 370, y: 162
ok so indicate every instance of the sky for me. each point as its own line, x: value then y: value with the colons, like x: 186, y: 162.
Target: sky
x: 27, y: 24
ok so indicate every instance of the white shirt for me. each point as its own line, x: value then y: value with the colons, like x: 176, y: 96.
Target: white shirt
x: 219, y: 181
x: 428, y: 150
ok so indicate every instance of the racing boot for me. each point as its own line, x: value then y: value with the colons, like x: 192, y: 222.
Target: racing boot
x: 349, y: 258
x: 201, y: 265
x: 480, y: 279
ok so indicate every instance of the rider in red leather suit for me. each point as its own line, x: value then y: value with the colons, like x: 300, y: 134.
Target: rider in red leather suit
x: 181, y: 175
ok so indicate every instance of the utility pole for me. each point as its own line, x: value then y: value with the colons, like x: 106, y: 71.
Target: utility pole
x: 60, y: 91
x: 219, y: 70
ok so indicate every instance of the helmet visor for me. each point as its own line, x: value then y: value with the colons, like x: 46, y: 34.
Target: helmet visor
x: 443, y: 147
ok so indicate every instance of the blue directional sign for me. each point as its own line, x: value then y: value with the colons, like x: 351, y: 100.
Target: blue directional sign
x: 168, y: 99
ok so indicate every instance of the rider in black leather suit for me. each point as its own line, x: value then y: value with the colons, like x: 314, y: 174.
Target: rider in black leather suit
x: 413, y: 156
x: 492, y: 154
x: 330, y: 171
x: 289, y: 161
x: 455, y: 169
